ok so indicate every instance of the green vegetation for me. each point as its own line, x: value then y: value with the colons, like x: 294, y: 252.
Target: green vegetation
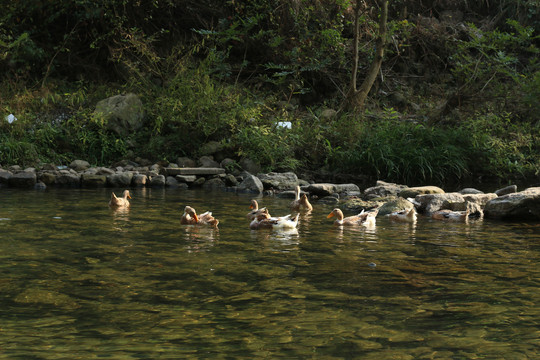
x: 456, y: 98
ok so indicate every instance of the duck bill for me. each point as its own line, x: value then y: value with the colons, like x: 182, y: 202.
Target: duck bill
x: 196, y: 217
x: 330, y: 215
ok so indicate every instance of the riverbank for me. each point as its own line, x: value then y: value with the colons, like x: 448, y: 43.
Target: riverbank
x: 505, y: 203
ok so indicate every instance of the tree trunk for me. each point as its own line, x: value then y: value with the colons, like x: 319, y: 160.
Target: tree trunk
x: 356, y: 98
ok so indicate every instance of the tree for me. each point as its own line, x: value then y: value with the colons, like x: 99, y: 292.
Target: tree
x: 356, y: 97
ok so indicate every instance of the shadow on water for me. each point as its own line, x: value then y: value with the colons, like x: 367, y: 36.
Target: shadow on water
x: 80, y: 280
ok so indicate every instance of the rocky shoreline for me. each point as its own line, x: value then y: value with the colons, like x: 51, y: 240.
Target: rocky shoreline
x: 507, y: 203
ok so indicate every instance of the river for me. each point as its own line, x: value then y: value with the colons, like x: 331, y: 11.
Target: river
x: 81, y: 281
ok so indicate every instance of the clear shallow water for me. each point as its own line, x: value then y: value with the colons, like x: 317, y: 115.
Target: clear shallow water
x: 80, y: 281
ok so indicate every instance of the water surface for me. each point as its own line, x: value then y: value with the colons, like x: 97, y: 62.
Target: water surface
x: 81, y: 281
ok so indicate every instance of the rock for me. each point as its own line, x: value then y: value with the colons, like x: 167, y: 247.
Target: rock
x: 506, y: 190
x: 4, y: 176
x: 467, y: 191
x: 383, y: 189
x: 321, y: 189
x: 434, y: 202
x: 139, y: 180
x: 279, y: 181
x: 68, y: 179
x: 329, y: 200
x: 230, y: 180
x: 23, y: 179
x: 214, y: 183
x: 289, y: 194
x: 104, y: 171
x: 328, y: 114
x: 230, y: 165
x: 397, y: 204
x: 201, y: 171
x: 250, y: 166
x: 171, y: 181
x: 357, y: 205
x: 188, y: 179
x: 251, y: 184
x: 419, y: 190
x: 523, y: 205
x: 40, y: 185
x: 48, y: 178
x: 89, y: 180
x: 208, y: 162
x: 185, y: 162
x: 199, y: 182
x: 211, y: 148
x: 158, y: 181
x: 120, y: 179
x: 480, y: 199
x: 348, y: 189
x: 142, y: 161
x: 49, y: 167
x: 124, y: 114
x: 79, y: 165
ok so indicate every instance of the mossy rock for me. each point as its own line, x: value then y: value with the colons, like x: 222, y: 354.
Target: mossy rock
x: 397, y: 204
x: 359, y: 204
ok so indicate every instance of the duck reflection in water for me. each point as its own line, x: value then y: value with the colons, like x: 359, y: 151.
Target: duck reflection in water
x: 200, y: 238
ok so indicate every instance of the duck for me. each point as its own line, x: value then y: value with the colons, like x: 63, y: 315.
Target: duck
x: 120, y: 201
x: 364, y: 218
x: 263, y: 221
x: 404, y: 215
x: 190, y: 217
x: 300, y: 202
x: 451, y: 215
x: 254, y: 206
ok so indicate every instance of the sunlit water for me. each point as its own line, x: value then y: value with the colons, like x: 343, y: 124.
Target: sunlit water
x: 80, y: 281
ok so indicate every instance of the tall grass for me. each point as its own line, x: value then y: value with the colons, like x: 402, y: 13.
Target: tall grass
x: 406, y: 152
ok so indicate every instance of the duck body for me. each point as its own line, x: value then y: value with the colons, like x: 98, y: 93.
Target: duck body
x: 190, y: 217
x: 262, y: 221
x: 364, y: 218
x: 449, y: 215
x: 118, y: 202
x: 404, y: 216
x: 300, y: 202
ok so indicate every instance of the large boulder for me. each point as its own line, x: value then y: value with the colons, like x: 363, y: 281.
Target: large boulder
x: 279, y: 181
x: 92, y: 180
x: 429, y: 203
x: 383, y: 189
x: 4, y: 177
x: 23, y: 179
x: 398, y: 204
x: 158, y: 181
x: 348, y: 189
x: 419, y: 190
x: 250, y: 166
x: 122, y: 179
x: 79, y: 165
x: 321, y: 189
x: 124, y: 114
x: 67, y: 179
x: 523, y: 205
x: 251, y: 184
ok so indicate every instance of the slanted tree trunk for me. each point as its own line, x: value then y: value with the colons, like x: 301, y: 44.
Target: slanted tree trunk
x: 356, y: 97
